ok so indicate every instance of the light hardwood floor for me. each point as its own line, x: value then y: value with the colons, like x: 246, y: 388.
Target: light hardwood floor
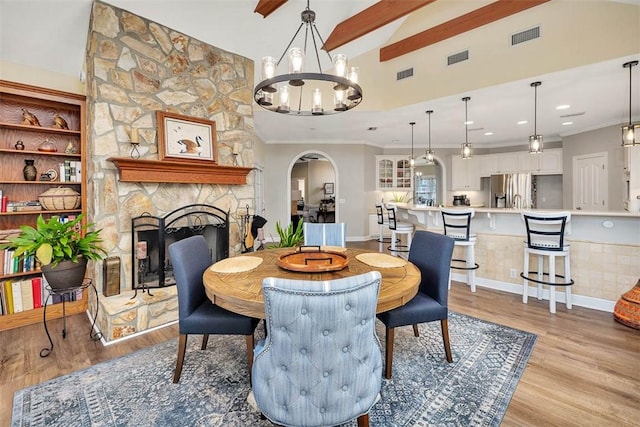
x: 584, y: 370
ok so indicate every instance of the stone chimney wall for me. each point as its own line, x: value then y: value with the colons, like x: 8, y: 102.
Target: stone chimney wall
x: 134, y: 68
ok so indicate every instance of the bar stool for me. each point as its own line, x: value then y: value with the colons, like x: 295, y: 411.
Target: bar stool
x: 397, y: 230
x: 545, y: 238
x: 382, y: 224
x: 457, y: 225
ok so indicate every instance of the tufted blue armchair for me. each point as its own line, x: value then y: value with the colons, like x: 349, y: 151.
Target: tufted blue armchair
x: 431, y: 253
x: 325, y: 234
x: 190, y: 257
x: 320, y: 364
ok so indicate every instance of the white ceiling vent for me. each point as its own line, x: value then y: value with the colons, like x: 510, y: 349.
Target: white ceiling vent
x: 404, y: 74
x: 457, y: 57
x: 525, y: 36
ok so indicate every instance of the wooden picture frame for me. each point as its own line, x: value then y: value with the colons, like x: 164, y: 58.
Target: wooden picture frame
x: 328, y: 188
x: 184, y: 138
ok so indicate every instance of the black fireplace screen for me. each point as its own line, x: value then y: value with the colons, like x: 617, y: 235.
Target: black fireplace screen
x: 151, y: 267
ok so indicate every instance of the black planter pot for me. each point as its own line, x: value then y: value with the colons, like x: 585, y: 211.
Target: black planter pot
x: 66, y: 275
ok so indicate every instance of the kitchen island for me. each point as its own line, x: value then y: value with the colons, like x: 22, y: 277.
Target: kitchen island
x: 605, y: 251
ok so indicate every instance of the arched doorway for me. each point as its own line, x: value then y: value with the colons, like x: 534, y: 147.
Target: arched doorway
x: 428, y: 183
x: 313, y: 187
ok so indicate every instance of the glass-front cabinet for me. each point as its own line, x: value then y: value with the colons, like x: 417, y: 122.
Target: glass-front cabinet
x: 393, y: 173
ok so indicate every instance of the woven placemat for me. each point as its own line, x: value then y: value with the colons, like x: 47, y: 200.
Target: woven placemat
x: 236, y: 264
x: 381, y: 260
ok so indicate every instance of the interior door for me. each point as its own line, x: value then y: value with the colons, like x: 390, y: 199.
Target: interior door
x: 590, y: 182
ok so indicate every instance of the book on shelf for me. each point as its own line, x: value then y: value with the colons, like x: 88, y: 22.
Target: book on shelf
x: 26, y: 291
x: 16, y: 291
x: 8, y: 296
x: 36, y: 286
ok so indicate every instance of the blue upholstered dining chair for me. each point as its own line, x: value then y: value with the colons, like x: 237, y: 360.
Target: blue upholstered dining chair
x: 431, y: 253
x: 320, y: 364
x: 190, y: 258
x: 325, y: 234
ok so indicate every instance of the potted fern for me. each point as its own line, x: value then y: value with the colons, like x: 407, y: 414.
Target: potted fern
x: 289, y: 237
x: 62, y: 248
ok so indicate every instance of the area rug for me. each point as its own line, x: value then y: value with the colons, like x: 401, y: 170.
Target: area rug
x: 137, y: 389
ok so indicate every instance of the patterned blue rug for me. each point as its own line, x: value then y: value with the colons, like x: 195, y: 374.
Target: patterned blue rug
x: 136, y: 390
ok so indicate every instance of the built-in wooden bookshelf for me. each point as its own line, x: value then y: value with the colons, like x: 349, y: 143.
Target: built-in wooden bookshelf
x: 49, y: 147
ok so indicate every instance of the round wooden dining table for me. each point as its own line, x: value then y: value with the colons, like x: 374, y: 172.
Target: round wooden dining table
x: 241, y: 291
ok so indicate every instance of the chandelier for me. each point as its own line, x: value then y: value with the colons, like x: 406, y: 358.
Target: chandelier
x: 535, y: 140
x: 429, y: 153
x: 466, y: 147
x: 629, y: 131
x: 307, y: 91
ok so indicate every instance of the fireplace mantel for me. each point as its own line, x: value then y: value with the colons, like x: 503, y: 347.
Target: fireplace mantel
x: 137, y: 170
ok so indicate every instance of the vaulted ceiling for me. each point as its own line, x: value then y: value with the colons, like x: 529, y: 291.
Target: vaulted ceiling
x: 577, y: 55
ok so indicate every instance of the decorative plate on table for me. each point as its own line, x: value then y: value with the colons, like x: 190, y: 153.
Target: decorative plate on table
x: 313, y: 259
x: 237, y: 264
x: 379, y: 260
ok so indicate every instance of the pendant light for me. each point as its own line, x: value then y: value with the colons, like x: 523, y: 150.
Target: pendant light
x: 466, y: 148
x: 429, y: 154
x: 535, y: 140
x: 629, y: 131
x: 412, y: 159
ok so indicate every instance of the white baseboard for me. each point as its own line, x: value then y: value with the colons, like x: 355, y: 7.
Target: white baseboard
x: 579, y: 300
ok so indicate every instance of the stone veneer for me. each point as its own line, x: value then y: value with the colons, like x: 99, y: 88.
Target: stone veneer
x: 134, y: 68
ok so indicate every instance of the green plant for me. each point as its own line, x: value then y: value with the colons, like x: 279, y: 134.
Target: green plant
x: 54, y: 241
x: 401, y: 197
x: 288, y: 236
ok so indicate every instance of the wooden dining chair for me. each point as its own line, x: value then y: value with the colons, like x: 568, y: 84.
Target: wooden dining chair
x: 190, y: 257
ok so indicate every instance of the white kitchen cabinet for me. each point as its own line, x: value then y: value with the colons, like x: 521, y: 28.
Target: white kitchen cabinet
x: 496, y: 164
x: 393, y: 173
x: 465, y: 173
x: 549, y: 162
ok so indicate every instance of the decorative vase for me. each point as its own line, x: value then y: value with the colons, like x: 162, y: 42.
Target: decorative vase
x: 66, y: 275
x: 627, y: 309
x: 29, y: 171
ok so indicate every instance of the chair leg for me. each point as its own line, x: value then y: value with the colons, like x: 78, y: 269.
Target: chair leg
x: 205, y: 340
x: 415, y: 330
x: 567, y: 276
x: 249, y: 340
x: 552, y: 279
x: 363, y: 420
x: 444, y: 323
x: 388, y: 361
x: 525, y: 282
x: 182, y: 347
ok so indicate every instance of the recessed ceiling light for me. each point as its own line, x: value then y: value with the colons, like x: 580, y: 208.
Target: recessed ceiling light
x: 522, y: 122
x: 488, y: 133
x: 567, y: 123
x: 468, y: 122
x: 563, y: 107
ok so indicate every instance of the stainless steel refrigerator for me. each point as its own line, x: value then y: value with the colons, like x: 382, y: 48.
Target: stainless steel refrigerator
x: 514, y: 190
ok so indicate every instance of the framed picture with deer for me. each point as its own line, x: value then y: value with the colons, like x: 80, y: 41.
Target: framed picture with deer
x: 184, y: 138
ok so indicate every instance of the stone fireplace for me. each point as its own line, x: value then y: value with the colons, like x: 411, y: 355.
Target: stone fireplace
x: 134, y: 68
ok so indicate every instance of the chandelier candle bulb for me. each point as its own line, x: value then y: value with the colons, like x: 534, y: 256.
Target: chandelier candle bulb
x: 339, y: 98
x: 296, y: 59
x: 317, y: 102
x: 283, y: 107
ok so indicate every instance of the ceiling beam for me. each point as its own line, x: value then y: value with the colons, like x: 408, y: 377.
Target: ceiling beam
x: 266, y: 7
x: 370, y: 19
x: 479, y: 17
